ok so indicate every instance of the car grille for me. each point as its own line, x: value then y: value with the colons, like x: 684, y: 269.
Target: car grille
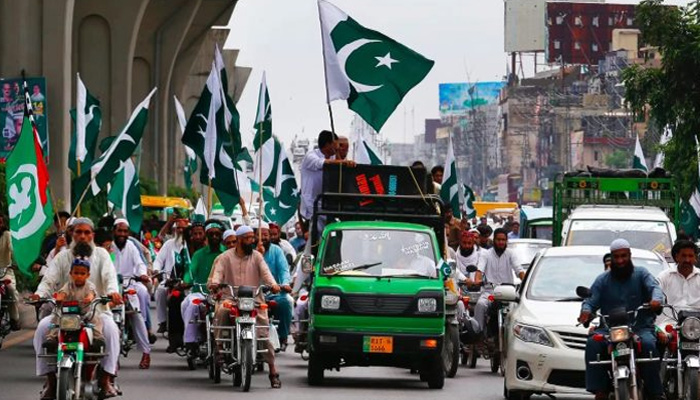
x: 568, y: 378
x: 379, y: 304
x: 573, y: 340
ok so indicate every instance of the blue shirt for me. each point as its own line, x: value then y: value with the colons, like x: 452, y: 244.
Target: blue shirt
x: 298, y: 243
x: 608, y: 293
x: 277, y: 262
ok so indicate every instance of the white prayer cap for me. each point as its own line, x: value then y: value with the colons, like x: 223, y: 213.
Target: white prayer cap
x: 121, y: 221
x: 229, y: 233
x: 619, y: 244
x: 243, y: 229
x: 82, y: 221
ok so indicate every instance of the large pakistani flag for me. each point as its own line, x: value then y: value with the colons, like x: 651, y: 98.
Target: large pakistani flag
x: 125, y: 195
x: 639, y: 161
x: 113, y: 160
x: 280, y: 191
x: 449, y: 192
x: 87, y: 117
x: 368, y: 69
x: 365, y: 152
x: 29, y: 203
x: 190, y: 157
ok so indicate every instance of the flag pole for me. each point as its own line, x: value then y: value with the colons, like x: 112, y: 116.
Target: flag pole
x: 77, y: 163
x: 209, y: 198
x: 325, y: 73
x: 260, y: 182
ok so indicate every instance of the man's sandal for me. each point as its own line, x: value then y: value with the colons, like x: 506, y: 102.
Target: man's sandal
x: 275, y: 382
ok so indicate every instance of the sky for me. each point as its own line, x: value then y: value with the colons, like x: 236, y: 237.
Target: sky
x: 282, y: 37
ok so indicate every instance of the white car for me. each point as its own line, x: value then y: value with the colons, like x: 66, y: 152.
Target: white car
x: 544, y: 347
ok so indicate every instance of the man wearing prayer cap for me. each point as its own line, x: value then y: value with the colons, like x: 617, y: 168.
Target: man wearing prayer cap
x: 229, y: 239
x: 623, y: 286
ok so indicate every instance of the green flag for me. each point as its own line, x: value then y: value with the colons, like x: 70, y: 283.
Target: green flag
x: 689, y: 219
x: 125, y: 195
x: 87, y: 121
x: 113, y: 160
x: 368, y: 69
x: 469, y: 210
x: 639, y: 162
x: 29, y: 202
x: 449, y: 191
x: 190, y: 166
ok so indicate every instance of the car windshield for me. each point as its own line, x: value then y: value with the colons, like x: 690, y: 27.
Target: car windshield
x: 556, y: 278
x: 379, y: 253
x: 647, y: 235
x: 526, y: 252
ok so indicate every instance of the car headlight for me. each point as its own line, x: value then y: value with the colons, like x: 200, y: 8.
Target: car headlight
x: 690, y: 328
x: 619, y: 334
x: 329, y: 302
x: 70, y: 323
x: 532, y: 334
x: 427, y: 305
x: 246, y: 304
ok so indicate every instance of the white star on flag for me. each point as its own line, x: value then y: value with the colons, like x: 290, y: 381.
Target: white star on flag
x: 386, y: 61
x: 273, y: 211
x: 295, y: 192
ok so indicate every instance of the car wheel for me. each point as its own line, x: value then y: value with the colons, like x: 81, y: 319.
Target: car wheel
x: 436, y: 374
x: 315, y: 371
x: 515, y: 394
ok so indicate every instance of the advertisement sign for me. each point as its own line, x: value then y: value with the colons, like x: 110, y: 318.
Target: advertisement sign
x: 12, y: 112
x: 459, y: 98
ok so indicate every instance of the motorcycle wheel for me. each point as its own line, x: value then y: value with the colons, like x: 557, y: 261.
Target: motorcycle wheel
x: 246, y: 363
x: 690, y: 384
x: 66, y: 381
x: 190, y: 363
x: 237, y: 376
x: 216, y: 368
x: 623, y: 390
x: 210, y: 367
x: 450, y: 351
x: 472, y: 355
x: 495, y: 362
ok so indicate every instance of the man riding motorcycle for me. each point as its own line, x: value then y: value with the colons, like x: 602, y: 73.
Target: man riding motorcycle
x: 165, y: 262
x: 104, y: 277
x: 5, y: 261
x: 629, y: 287
x: 244, y: 266
x: 129, y: 264
x: 681, y: 284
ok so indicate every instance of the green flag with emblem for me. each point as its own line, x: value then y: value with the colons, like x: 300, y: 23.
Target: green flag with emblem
x: 28, y: 199
x: 689, y: 219
x: 639, y: 162
x: 469, y: 210
x: 125, y: 195
x: 87, y: 121
x: 449, y: 191
x: 368, y: 69
x: 190, y: 166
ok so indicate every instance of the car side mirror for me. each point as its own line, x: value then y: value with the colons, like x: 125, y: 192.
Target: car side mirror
x: 583, y: 292
x: 307, y: 263
x: 505, y: 293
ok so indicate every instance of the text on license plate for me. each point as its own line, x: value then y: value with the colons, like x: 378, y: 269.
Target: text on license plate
x: 690, y: 346
x: 378, y: 344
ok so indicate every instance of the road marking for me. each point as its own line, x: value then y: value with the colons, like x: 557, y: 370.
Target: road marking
x: 15, y: 340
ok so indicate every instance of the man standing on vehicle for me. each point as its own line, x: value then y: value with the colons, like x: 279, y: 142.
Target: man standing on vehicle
x: 275, y: 260
x: 628, y: 287
x: 129, y: 264
x: 244, y: 266
x: 104, y: 276
x: 498, y: 265
x: 343, y: 148
x: 681, y: 284
x: 165, y: 262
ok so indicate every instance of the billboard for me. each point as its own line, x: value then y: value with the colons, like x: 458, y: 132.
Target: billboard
x: 459, y: 98
x: 12, y: 112
x: 581, y: 33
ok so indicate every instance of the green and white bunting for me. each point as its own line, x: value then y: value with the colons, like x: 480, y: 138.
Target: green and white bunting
x: 365, y: 152
x: 449, y: 192
x: 639, y: 161
x: 368, y: 69
x: 125, y: 195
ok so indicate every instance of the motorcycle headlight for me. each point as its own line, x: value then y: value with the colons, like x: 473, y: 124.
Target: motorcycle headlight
x: 532, y: 334
x: 619, y: 334
x: 246, y: 304
x: 690, y: 328
x: 329, y: 302
x: 70, y: 323
x: 427, y: 305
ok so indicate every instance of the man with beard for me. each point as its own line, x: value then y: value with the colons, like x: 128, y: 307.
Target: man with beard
x: 198, y: 273
x: 286, y: 247
x: 624, y: 286
x: 104, y: 277
x: 277, y: 263
x: 467, y: 254
x: 165, y: 262
x: 244, y: 266
x: 498, y: 265
x: 129, y: 264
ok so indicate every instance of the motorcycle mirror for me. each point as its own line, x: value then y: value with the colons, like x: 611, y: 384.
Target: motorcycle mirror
x: 472, y: 268
x: 307, y: 263
x: 583, y: 292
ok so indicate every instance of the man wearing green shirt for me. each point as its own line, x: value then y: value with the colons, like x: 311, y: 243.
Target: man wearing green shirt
x: 196, y: 275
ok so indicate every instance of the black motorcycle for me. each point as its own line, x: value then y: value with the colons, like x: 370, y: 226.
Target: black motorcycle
x: 681, y: 364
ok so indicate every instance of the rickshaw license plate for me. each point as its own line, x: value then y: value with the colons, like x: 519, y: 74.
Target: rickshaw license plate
x: 378, y: 344
x: 690, y: 346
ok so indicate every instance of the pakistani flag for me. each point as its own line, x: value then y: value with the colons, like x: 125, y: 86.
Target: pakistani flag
x: 639, y: 161
x: 29, y: 203
x: 191, y: 158
x: 469, y: 198
x: 232, y: 120
x: 125, y: 195
x: 689, y: 217
x: 87, y: 117
x: 113, y: 160
x: 665, y: 138
x: 449, y: 192
x: 369, y: 70
x: 365, y: 153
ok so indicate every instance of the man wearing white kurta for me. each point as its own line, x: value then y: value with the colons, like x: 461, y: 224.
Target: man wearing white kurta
x: 681, y: 284
x: 165, y: 262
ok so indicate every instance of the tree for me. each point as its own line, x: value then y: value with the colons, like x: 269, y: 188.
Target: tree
x: 671, y: 92
x: 618, y: 159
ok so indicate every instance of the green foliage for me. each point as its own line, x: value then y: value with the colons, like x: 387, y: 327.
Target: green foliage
x: 178, y: 191
x: 618, y: 159
x: 148, y: 186
x: 672, y: 92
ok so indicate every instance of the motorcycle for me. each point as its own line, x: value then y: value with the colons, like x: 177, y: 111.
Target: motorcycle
x: 301, y: 326
x: 199, y: 355
x: 240, y: 342
x: 491, y: 348
x: 176, y: 326
x: 122, y: 312
x: 468, y: 326
x: 682, y: 361
x: 450, y: 350
x: 77, y: 353
x: 5, y: 302
x: 623, y: 345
